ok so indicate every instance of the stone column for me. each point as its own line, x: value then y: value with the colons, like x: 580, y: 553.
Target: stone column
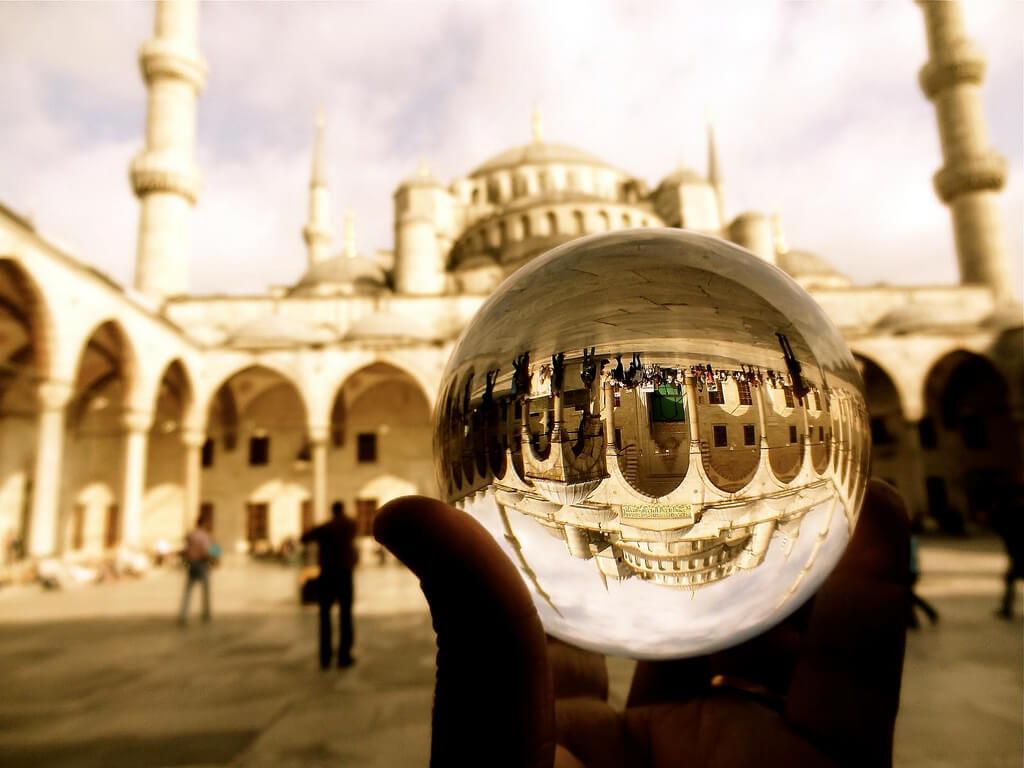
x: 46, y: 487
x: 762, y: 415
x: 608, y: 413
x: 912, y: 462
x: 691, y: 408
x: 318, y: 440
x: 136, y: 439
x: 192, y: 440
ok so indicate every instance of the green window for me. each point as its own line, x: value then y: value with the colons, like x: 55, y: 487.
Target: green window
x: 667, y: 403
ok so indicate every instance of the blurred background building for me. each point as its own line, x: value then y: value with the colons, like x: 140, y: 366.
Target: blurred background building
x: 123, y: 412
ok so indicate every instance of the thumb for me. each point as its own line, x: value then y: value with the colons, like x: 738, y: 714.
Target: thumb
x: 493, y: 699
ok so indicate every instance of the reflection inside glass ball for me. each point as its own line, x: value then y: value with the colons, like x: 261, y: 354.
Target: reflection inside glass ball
x: 663, y: 432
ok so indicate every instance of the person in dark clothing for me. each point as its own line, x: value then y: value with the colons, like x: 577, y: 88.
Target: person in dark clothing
x: 336, y: 553
x: 916, y: 601
x: 1006, y: 516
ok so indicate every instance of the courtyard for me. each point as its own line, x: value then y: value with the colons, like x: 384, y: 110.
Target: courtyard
x: 103, y: 676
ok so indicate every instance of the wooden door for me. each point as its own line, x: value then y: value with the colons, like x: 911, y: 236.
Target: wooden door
x: 365, y: 511
x: 113, y: 523
x: 256, y: 522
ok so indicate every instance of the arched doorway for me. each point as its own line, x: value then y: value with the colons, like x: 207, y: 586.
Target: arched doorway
x: 889, y: 441
x: 968, y: 447
x: 94, y: 518
x: 23, y: 365
x: 381, y: 441
x: 164, y: 513
x: 256, y: 469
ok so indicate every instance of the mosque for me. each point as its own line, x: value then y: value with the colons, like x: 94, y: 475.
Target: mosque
x: 125, y: 411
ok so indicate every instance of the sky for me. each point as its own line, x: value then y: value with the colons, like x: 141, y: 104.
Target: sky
x: 817, y: 112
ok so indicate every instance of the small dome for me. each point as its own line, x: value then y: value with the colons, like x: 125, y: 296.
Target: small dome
x: 278, y: 331
x: 683, y: 175
x: 914, y: 317
x: 358, y: 271
x: 379, y: 326
x: 806, y: 264
x: 539, y: 153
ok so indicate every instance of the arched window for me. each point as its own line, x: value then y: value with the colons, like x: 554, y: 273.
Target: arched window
x: 525, y: 225
x: 627, y: 222
x: 577, y: 217
x: 605, y: 221
x: 552, y: 223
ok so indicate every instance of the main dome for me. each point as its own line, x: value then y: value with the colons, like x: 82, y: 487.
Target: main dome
x: 540, y: 153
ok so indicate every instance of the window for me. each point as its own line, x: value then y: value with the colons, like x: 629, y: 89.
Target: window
x: 256, y: 522
x: 716, y: 396
x: 626, y: 221
x: 974, y: 433
x: 744, y: 388
x: 721, y: 435
x: 821, y: 434
x: 748, y: 434
x: 259, y: 451
x: 667, y: 404
x: 618, y: 439
x: 880, y: 434
x: 206, y: 512
x: 605, y: 221
x: 306, y: 515
x: 577, y: 218
x: 366, y: 448
x: 525, y: 222
x: 493, y: 192
x: 552, y: 224
x: 208, y: 452
x: 366, y: 509
x: 113, y: 524
x: 502, y: 233
x: 926, y: 431
x: 788, y: 394
x: 817, y: 400
x: 792, y: 434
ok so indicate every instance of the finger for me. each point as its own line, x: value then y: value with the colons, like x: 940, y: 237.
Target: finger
x: 846, y: 684
x: 576, y: 672
x: 493, y: 694
x: 592, y: 731
x: 658, y: 682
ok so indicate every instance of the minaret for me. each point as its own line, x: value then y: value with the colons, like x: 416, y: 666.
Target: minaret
x: 164, y: 175
x: 350, y: 234
x: 714, y: 173
x: 317, y: 232
x: 972, y: 174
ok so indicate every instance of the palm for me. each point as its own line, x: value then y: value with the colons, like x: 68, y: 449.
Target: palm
x: 826, y: 679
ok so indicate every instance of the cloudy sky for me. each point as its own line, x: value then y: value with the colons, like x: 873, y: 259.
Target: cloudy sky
x: 817, y: 109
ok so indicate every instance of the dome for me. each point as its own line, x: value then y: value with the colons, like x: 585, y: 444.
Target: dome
x: 385, y: 325
x: 683, y: 175
x: 913, y: 317
x: 278, y: 331
x: 357, y: 271
x: 806, y: 264
x: 539, y: 153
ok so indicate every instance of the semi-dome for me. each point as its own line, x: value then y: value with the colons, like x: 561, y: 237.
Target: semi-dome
x: 807, y: 265
x: 539, y: 153
x: 278, y: 331
x: 356, y: 273
x: 380, y: 326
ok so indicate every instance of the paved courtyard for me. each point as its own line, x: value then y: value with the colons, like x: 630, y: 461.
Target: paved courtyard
x: 102, y: 675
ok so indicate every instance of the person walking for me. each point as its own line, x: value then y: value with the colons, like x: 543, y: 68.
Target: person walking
x: 336, y: 553
x: 916, y: 601
x: 197, y: 554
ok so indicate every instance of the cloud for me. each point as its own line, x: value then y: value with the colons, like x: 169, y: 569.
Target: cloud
x: 818, y: 115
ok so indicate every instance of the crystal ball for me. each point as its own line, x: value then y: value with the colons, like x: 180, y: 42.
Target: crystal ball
x: 665, y: 434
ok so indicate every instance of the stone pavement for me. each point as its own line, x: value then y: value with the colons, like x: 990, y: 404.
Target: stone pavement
x: 102, y: 676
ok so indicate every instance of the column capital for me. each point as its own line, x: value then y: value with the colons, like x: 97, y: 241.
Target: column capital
x: 54, y: 395
x: 136, y: 421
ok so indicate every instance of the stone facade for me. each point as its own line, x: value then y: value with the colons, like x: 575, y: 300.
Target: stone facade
x: 122, y: 412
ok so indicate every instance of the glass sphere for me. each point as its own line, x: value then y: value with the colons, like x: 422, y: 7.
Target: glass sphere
x: 664, y: 433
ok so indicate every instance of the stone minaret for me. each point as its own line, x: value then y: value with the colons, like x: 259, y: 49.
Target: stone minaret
x: 317, y: 232
x: 164, y: 174
x: 972, y: 174
x: 715, y: 173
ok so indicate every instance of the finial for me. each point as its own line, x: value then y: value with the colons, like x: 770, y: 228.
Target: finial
x: 421, y: 167
x: 350, y: 234
x: 318, y: 177
x: 714, y: 175
x: 778, y: 237
x: 538, y: 127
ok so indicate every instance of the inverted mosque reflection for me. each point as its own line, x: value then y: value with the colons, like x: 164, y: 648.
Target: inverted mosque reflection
x: 661, y: 467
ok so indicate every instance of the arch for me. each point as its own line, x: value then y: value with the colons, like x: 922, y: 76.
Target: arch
x: 627, y: 221
x: 21, y: 299
x: 175, y: 383
x: 579, y: 223
x: 204, y: 404
x: 552, y: 221
x: 524, y: 224
x: 604, y: 220
x: 969, y: 455
x: 106, y: 357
